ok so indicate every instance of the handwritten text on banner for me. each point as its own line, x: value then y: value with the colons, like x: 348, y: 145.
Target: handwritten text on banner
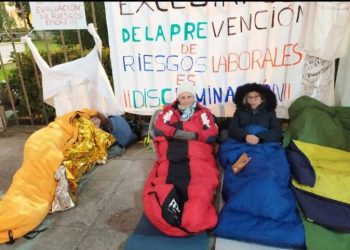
x: 216, y: 46
x: 58, y: 15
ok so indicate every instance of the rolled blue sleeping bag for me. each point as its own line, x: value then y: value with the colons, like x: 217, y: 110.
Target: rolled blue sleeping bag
x: 122, y: 131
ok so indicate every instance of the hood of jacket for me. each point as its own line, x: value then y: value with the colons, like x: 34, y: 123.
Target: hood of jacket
x: 270, y: 102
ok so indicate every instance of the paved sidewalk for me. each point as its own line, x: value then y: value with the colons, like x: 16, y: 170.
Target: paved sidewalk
x: 109, y: 199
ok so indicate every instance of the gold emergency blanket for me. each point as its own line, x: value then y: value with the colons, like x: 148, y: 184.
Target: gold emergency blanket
x: 90, y: 148
x: 29, y: 197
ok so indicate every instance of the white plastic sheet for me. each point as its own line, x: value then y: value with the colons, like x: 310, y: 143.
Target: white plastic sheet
x: 82, y: 83
x: 328, y: 28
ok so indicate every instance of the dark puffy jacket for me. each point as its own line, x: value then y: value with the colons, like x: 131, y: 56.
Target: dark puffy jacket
x: 264, y: 115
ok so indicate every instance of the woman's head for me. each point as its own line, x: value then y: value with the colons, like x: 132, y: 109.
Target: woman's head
x: 102, y: 122
x: 253, y: 90
x: 96, y: 120
x: 253, y: 99
x: 186, y: 94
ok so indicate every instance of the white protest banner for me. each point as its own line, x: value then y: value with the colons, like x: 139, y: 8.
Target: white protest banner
x: 58, y: 15
x: 217, y: 46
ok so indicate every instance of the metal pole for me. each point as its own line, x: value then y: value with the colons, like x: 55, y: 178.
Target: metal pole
x: 80, y: 43
x: 47, y: 49
x: 93, y: 14
x: 64, y: 46
x: 21, y: 77
x: 35, y: 70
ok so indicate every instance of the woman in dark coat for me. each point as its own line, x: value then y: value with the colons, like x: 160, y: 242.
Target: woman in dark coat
x: 255, y: 105
x: 259, y: 205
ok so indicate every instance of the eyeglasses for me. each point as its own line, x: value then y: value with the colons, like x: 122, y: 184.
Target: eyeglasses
x: 253, y: 97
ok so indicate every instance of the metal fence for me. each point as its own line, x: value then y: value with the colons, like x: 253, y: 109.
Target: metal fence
x: 15, y: 108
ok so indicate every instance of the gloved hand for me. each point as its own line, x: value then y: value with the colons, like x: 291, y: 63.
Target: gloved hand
x: 184, y: 135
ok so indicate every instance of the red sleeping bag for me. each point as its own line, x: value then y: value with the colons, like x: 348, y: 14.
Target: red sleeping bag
x: 179, y: 192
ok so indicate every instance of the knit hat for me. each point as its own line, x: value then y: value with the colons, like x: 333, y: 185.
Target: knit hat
x: 186, y: 87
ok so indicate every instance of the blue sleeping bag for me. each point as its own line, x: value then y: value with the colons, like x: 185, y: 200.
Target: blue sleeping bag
x: 122, y: 131
x: 259, y: 205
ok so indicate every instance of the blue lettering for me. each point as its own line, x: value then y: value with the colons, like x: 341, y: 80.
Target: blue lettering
x: 125, y: 64
x: 160, y: 62
x: 168, y: 64
x: 204, y: 64
x: 145, y: 62
x: 276, y: 90
x: 201, y: 99
x: 229, y: 93
x: 217, y: 95
x: 190, y: 64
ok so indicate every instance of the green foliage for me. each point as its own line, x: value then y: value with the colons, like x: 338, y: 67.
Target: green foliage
x: 6, y: 68
x: 33, y: 87
x: 40, y: 45
x: 106, y: 62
